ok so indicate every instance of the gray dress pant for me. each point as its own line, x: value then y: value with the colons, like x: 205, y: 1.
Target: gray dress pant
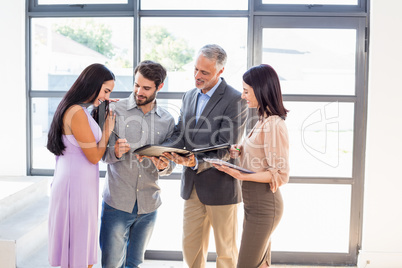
x: 262, y: 212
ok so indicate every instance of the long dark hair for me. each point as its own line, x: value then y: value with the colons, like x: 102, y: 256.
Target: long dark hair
x: 84, y: 90
x: 267, y: 89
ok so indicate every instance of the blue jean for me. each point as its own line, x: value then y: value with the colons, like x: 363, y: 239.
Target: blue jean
x: 124, y: 236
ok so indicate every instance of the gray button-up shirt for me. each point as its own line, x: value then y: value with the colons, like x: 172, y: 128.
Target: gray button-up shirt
x: 128, y: 180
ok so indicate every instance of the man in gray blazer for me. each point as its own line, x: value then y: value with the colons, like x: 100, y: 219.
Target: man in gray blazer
x: 213, y: 113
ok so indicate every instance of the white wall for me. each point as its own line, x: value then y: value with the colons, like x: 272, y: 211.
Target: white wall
x: 12, y: 88
x: 382, y: 215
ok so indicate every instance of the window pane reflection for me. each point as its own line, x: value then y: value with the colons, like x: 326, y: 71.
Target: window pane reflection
x: 63, y: 47
x: 176, y: 47
x: 195, y: 5
x: 78, y: 2
x: 173, y: 107
x: 316, y: 219
x: 312, y: 61
x: 321, y: 138
x: 311, y: 2
x: 42, y: 114
x: 169, y: 224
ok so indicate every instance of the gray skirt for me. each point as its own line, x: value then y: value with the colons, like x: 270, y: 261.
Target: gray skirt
x: 262, y: 212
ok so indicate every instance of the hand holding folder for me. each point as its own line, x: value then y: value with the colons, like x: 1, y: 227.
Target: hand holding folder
x: 224, y: 163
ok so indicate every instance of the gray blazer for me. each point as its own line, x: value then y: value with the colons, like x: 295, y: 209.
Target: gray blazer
x: 222, y: 121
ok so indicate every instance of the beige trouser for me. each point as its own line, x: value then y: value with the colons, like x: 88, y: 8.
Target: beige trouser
x: 197, y: 221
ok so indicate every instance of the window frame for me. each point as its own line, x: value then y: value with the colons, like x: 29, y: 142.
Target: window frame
x: 258, y: 15
x: 34, y: 6
x: 360, y: 117
x: 314, y: 9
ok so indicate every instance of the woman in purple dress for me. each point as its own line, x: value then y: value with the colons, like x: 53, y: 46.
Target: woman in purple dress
x: 78, y: 143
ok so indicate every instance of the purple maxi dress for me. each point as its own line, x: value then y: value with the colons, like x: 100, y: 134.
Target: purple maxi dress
x: 73, y: 210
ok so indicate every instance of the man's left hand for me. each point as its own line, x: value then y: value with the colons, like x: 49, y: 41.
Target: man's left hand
x: 160, y: 163
x: 188, y: 161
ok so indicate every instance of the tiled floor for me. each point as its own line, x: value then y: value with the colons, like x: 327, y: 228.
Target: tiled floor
x: 168, y: 264
x: 40, y: 261
x: 173, y: 264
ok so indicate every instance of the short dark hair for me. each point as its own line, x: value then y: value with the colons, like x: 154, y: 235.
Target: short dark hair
x: 267, y: 89
x: 85, y: 89
x: 152, y: 71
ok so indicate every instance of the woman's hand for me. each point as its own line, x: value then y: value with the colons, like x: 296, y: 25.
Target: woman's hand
x: 231, y: 171
x: 235, y: 151
x: 110, y: 121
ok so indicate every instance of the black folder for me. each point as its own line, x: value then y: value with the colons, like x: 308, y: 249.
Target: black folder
x: 158, y: 150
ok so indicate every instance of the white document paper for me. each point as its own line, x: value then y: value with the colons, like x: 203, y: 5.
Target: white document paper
x: 224, y: 163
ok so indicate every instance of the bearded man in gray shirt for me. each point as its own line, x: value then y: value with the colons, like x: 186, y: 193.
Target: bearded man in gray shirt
x: 131, y: 195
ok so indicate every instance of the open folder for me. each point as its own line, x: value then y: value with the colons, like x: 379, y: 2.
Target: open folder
x: 158, y: 150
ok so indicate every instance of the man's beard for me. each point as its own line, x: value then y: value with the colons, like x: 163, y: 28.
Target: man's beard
x: 146, y: 101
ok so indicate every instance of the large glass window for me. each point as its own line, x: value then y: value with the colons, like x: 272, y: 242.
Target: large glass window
x: 176, y: 47
x: 80, y: 2
x: 170, y: 218
x: 60, y: 49
x: 311, y: 2
x: 42, y: 112
x: 319, y: 6
x: 316, y: 219
x: 312, y: 61
x: 321, y: 138
x: 195, y: 5
x: 168, y: 228
x: 322, y: 83
x: 63, y: 47
x: 318, y: 49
